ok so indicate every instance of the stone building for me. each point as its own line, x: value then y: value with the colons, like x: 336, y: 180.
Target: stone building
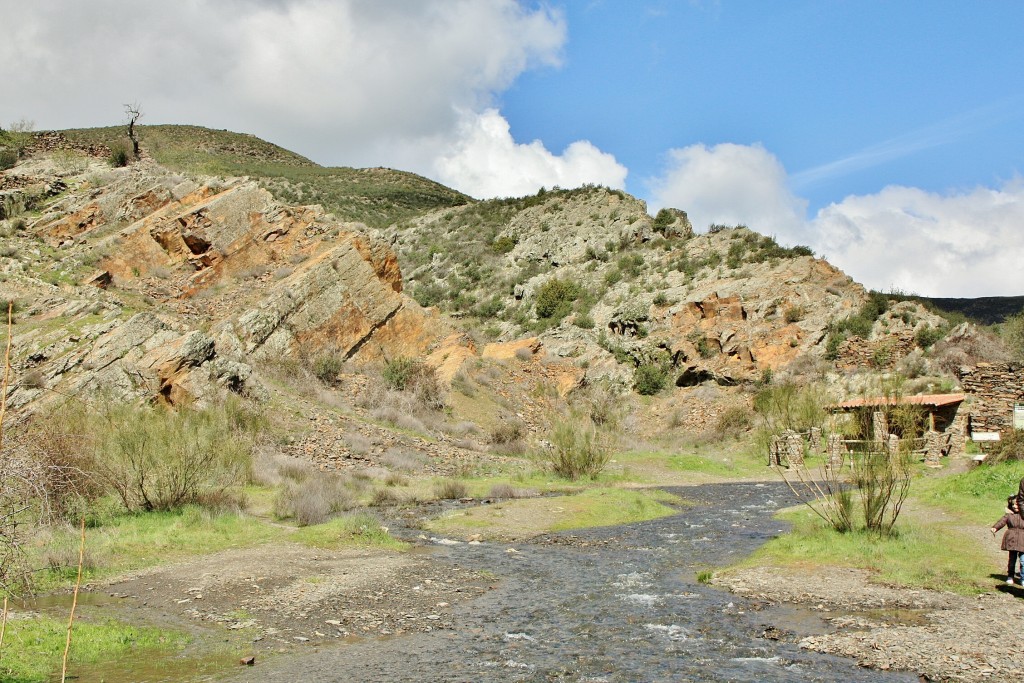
x: 995, y: 390
x: 944, y: 424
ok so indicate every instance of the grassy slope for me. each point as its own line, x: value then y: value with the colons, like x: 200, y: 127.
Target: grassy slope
x: 375, y: 196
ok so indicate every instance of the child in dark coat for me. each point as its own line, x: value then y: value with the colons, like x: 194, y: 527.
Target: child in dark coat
x: 1013, y: 539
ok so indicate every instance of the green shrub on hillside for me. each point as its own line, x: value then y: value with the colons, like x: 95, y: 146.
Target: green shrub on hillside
x: 649, y: 379
x: 555, y: 298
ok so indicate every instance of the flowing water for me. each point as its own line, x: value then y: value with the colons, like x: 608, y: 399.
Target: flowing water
x: 624, y: 607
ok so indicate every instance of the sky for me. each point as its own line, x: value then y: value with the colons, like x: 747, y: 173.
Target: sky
x: 887, y: 136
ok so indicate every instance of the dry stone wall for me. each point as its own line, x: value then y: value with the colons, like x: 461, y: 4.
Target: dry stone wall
x: 994, y: 388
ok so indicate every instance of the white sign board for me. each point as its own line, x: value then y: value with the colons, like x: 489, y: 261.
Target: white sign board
x: 1018, y: 415
x: 984, y: 436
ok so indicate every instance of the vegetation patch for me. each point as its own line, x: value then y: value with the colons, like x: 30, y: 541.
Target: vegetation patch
x: 913, y: 556
x: 361, y: 530
x: 34, y: 647
x: 523, y: 518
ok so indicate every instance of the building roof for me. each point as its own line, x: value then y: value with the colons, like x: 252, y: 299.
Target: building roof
x: 930, y: 400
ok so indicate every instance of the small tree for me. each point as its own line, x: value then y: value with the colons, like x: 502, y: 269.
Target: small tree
x: 134, y: 114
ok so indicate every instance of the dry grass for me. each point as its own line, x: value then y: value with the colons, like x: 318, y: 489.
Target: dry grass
x: 507, y: 491
x: 450, y: 489
x: 402, y: 460
x: 315, y: 499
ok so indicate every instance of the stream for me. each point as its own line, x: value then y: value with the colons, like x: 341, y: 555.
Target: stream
x: 617, y: 604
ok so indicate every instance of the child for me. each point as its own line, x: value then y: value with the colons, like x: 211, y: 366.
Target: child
x: 1013, y: 539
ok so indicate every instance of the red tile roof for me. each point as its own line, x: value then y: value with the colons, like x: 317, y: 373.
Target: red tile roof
x: 932, y: 400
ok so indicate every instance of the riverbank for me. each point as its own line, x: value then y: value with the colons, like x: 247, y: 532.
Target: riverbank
x: 941, y: 636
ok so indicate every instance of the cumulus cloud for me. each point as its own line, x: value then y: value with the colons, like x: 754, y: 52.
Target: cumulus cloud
x: 487, y: 162
x: 348, y: 82
x: 955, y: 244
x: 961, y: 244
x: 730, y: 184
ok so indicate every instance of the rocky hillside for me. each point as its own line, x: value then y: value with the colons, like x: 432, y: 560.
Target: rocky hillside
x: 613, y: 289
x: 157, y: 280
x: 141, y: 282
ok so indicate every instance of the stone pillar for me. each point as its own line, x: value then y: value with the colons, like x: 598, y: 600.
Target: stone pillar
x: 958, y: 433
x: 815, y: 439
x: 880, y: 428
x: 836, y: 451
x: 794, y: 445
x: 933, y: 449
x: 775, y: 451
x: 892, y: 444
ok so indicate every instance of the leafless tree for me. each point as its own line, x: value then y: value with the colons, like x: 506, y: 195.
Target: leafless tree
x: 134, y: 114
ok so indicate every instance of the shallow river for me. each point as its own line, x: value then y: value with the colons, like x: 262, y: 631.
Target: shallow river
x: 625, y: 607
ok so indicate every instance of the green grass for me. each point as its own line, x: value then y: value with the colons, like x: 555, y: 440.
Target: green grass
x: 33, y: 647
x: 134, y: 541
x: 375, y: 196
x: 524, y: 517
x: 738, y: 463
x: 917, y: 556
x: 979, y: 495
x: 352, y: 530
x: 128, y: 542
x: 611, y: 507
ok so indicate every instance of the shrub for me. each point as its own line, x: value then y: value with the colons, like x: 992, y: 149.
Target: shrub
x: 507, y: 491
x: 450, y: 489
x: 1010, y: 447
x: 326, y: 367
x: 313, y: 500
x: 578, y: 449
x: 118, y: 157
x: 733, y: 422
x: 649, y: 379
x: 503, y: 244
x: 927, y: 336
x: 584, y: 321
x: 158, y: 459
x: 507, y: 431
x: 793, y: 314
x: 555, y: 298
x: 8, y: 158
x: 399, y: 374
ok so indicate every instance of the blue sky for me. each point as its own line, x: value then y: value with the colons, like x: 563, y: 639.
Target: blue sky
x: 886, y: 135
x: 850, y: 96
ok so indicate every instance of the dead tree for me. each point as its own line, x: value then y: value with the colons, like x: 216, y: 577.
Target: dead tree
x: 134, y: 114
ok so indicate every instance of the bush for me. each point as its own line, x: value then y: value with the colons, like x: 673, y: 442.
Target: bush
x: 313, y: 500
x: 733, y: 422
x: 1010, y: 447
x: 8, y: 158
x: 555, y: 298
x: 326, y: 367
x: 649, y: 379
x: 794, y: 314
x: 578, y: 449
x: 118, y: 157
x: 503, y: 244
x: 158, y: 459
x: 450, y: 489
x: 399, y: 374
x: 927, y: 336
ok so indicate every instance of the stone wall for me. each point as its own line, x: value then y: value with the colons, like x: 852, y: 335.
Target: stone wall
x: 881, y: 354
x: 994, y: 388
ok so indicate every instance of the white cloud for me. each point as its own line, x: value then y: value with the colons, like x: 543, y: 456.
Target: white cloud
x: 348, y: 82
x: 957, y: 244
x: 730, y: 184
x: 962, y: 244
x: 487, y: 162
